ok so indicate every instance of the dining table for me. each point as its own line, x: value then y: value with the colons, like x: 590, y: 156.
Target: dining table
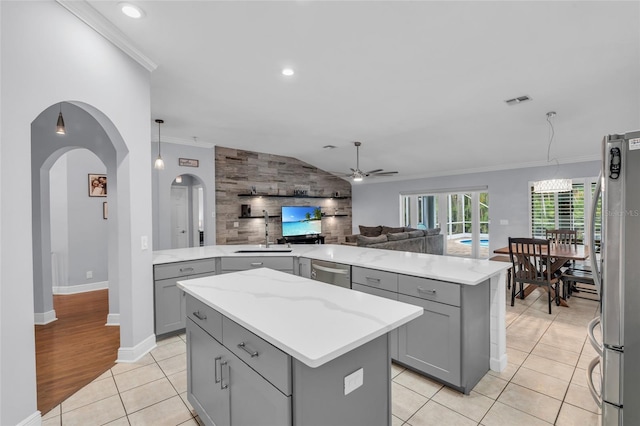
x: 560, y: 254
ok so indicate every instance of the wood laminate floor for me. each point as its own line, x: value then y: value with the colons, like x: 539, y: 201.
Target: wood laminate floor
x: 76, y: 348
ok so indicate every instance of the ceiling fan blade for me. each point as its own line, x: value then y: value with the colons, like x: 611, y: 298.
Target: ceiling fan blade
x: 384, y: 173
x: 374, y: 171
x: 341, y: 174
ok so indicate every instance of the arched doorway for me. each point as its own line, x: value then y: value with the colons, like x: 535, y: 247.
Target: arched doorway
x: 187, y: 211
x: 80, y: 247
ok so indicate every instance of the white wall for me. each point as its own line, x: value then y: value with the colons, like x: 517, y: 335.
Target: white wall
x: 48, y: 56
x: 379, y: 204
x: 79, y: 234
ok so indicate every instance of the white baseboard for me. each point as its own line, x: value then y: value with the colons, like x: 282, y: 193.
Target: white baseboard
x: 44, y: 318
x: 33, y: 420
x: 113, y: 319
x: 81, y: 288
x: 135, y: 353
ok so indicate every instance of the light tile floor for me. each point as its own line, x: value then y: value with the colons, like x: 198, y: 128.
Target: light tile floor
x: 544, y: 382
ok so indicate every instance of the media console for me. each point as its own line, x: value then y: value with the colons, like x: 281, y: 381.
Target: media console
x: 302, y: 239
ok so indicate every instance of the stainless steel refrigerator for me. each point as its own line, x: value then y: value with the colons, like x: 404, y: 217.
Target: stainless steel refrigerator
x: 617, y: 276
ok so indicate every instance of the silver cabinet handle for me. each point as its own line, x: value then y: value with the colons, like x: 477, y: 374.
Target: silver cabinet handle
x: 200, y: 316
x: 244, y: 348
x: 189, y: 269
x: 224, y: 385
x: 216, y: 362
x: 590, y: 328
x: 592, y: 236
x: 375, y: 280
x: 596, y: 396
x: 332, y: 270
x: 254, y: 264
x: 426, y: 291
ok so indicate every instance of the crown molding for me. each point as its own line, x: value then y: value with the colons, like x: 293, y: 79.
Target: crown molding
x: 87, y: 14
x: 487, y: 169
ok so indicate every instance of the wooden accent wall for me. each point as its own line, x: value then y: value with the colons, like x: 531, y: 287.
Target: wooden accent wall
x: 238, y: 170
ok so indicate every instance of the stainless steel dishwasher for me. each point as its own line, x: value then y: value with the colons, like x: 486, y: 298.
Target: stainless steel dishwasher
x: 331, y: 273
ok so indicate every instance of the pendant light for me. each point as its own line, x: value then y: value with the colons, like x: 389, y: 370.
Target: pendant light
x: 60, y: 125
x: 159, y: 164
x: 552, y: 185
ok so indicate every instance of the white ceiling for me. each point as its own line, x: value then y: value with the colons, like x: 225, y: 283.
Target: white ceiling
x: 421, y: 83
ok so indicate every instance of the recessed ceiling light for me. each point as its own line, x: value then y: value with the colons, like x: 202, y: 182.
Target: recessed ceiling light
x: 131, y: 10
x: 288, y: 72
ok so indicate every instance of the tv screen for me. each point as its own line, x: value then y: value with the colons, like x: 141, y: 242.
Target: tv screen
x: 301, y: 220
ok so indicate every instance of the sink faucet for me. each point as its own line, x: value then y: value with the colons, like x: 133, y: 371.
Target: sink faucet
x: 266, y: 228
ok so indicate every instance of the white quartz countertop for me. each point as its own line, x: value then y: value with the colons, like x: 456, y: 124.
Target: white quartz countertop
x: 312, y: 321
x: 446, y: 268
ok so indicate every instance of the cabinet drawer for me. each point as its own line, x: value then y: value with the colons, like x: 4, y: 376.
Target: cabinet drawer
x: 373, y: 278
x: 269, y: 361
x: 244, y: 263
x: 425, y: 288
x: 182, y: 269
x: 205, y: 316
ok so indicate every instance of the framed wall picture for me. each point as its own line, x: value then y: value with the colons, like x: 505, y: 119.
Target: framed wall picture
x: 97, y: 185
x: 104, y: 210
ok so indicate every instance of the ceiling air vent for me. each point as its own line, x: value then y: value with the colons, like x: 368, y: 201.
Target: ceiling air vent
x: 518, y: 100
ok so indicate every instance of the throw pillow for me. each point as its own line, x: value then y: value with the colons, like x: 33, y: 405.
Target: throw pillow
x: 397, y: 236
x: 390, y: 230
x: 432, y: 231
x: 365, y: 241
x: 370, y: 231
x: 415, y: 234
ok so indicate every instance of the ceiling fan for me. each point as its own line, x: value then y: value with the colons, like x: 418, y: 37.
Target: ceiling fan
x: 357, y: 175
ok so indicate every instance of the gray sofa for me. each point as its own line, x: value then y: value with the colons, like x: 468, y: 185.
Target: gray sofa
x: 399, y: 238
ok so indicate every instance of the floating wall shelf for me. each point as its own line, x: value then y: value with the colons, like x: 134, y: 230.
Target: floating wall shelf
x: 254, y: 217
x: 292, y: 196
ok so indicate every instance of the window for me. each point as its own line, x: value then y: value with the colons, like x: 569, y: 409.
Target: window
x: 463, y: 217
x: 563, y: 210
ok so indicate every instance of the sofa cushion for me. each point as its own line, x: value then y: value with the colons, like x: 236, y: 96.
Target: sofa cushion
x: 390, y: 230
x: 370, y: 231
x: 415, y: 234
x: 432, y: 231
x: 365, y: 241
x: 397, y: 236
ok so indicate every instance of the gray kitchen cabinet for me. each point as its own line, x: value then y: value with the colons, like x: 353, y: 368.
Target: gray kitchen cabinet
x: 431, y: 342
x: 450, y: 341
x: 225, y: 389
x: 169, y: 301
x: 205, y: 389
x: 233, y: 264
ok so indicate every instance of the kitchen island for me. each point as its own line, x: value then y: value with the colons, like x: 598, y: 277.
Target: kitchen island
x: 267, y: 347
x: 461, y: 271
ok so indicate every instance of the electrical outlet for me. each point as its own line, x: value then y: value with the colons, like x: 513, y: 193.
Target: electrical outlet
x: 89, y: 274
x: 236, y: 224
x: 504, y: 221
x: 353, y: 381
x: 144, y: 242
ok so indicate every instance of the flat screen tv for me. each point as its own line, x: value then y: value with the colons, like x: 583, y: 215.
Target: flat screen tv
x: 301, y: 220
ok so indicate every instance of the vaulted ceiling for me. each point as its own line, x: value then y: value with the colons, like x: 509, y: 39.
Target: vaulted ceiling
x: 422, y: 84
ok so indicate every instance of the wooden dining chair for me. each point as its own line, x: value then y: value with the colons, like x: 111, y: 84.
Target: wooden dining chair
x: 532, y: 266
x: 563, y: 237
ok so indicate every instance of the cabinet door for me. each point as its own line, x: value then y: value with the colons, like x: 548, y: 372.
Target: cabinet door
x: 169, y: 306
x: 205, y: 389
x: 431, y: 342
x: 254, y: 401
x: 393, y: 334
